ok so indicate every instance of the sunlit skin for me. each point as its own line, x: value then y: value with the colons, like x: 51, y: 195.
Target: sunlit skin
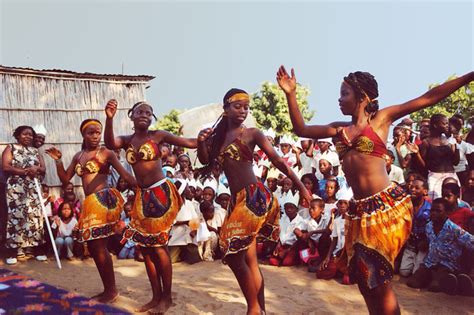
x: 148, y: 172
x: 92, y: 183
x: 244, y: 264
x: 365, y: 174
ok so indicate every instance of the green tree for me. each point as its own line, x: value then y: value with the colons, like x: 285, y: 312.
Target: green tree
x: 460, y: 102
x: 270, y: 109
x: 169, y: 122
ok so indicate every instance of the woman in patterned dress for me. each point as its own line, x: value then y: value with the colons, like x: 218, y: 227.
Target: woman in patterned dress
x: 25, y: 221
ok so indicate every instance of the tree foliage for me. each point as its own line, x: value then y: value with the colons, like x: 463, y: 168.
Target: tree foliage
x: 459, y: 102
x: 270, y: 109
x: 169, y: 122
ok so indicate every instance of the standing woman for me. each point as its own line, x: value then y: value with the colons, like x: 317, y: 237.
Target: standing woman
x: 103, y: 205
x: 380, y: 221
x: 438, y: 155
x: 253, y: 205
x: 157, y: 200
x: 22, y: 162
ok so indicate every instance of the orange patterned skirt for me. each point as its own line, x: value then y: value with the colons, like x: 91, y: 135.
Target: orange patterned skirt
x: 100, y: 213
x: 376, y: 228
x: 255, y: 209
x: 153, y: 214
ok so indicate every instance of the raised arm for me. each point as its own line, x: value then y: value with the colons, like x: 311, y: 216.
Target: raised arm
x: 111, y: 142
x: 64, y: 175
x: 112, y: 159
x: 203, y: 149
x: 179, y: 141
x: 288, y: 85
x: 279, y: 163
x: 430, y: 98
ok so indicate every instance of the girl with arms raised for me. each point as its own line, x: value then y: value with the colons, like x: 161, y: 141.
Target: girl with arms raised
x: 157, y: 200
x: 380, y: 221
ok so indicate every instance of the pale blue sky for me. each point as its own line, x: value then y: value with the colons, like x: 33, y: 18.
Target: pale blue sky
x: 198, y: 50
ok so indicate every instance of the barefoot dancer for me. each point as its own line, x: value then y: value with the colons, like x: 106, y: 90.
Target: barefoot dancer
x: 253, y: 205
x: 380, y: 222
x: 157, y: 200
x: 102, y: 206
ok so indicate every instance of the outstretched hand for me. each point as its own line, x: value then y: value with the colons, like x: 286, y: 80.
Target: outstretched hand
x: 111, y: 108
x: 54, y: 153
x: 287, y: 83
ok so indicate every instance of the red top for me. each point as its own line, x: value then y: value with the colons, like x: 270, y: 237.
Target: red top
x: 461, y: 216
x: 367, y: 142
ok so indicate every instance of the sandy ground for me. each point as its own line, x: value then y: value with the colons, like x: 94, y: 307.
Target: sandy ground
x: 210, y: 288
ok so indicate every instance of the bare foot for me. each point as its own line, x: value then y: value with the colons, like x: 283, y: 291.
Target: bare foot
x: 97, y: 296
x: 153, y: 303
x: 108, y: 297
x: 163, y: 306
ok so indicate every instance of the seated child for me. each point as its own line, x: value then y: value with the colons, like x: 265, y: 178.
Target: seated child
x: 416, y: 247
x: 208, y: 248
x: 316, y: 233
x: 181, y: 244
x: 330, y: 265
x: 446, y: 242
x: 128, y: 250
x: 458, y: 215
x: 287, y: 251
x: 65, y: 222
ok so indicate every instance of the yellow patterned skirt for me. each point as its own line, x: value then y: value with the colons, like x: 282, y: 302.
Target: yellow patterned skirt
x: 100, y: 212
x: 255, y: 209
x: 376, y: 228
x: 153, y: 214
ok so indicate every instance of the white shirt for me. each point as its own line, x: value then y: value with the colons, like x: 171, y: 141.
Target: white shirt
x: 313, y: 225
x: 463, y: 150
x: 65, y: 229
x: 338, y: 231
x: 396, y: 174
x: 180, y: 233
x: 307, y: 163
x: 287, y: 228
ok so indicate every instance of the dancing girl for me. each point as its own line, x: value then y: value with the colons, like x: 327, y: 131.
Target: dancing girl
x: 253, y: 207
x: 157, y: 200
x: 102, y: 206
x: 379, y: 221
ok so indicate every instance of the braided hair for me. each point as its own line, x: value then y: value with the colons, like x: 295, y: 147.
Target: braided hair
x: 364, y: 86
x: 434, y: 122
